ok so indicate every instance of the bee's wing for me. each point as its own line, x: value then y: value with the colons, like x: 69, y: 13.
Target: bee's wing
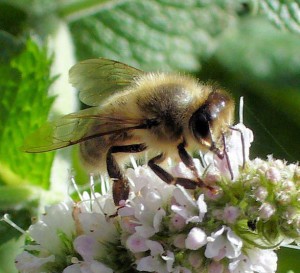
x: 75, y: 128
x: 96, y: 79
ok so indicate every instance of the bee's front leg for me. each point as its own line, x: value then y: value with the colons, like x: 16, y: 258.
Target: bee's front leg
x: 189, y: 162
x: 120, y: 188
x: 167, y: 177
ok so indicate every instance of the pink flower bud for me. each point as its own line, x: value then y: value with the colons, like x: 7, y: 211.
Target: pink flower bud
x: 261, y: 194
x: 283, y: 198
x: 273, y: 174
x: 178, y: 222
x: 136, y: 243
x: 195, y: 259
x: 231, y: 213
x: 288, y: 185
x: 179, y: 241
x: 215, y: 267
x: 266, y: 211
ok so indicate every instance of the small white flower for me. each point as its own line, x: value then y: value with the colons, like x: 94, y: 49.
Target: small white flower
x: 187, y: 208
x: 152, y: 264
x: 255, y: 260
x: 155, y: 247
x: 169, y: 258
x: 235, y: 151
x: 159, y: 260
x: 223, y: 243
x: 28, y: 263
x: 195, y: 239
x: 45, y: 231
x: 263, y: 260
x: 88, y: 267
x: 136, y: 243
x: 148, y: 264
x: 157, y: 219
x: 87, y: 246
x: 53, y: 239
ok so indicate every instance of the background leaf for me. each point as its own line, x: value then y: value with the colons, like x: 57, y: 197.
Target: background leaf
x: 24, y: 106
x: 284, y: 14
x: 154, y: 35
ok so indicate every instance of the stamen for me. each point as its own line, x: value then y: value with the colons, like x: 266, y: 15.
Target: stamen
x: 76, y: 187
x: 105, y: 185
x: 11, y: 223
x: 169, y: 161
x: 241, y: 110
x: 93, y: 193
x: 133, y: 162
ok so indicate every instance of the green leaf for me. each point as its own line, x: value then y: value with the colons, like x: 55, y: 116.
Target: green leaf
x: 288, y: 260
x: 8, y: 252
x: 24, y: 106
x: 160, y: 34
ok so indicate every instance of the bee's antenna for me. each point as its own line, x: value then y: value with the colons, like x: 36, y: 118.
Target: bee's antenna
x: 202, y: 160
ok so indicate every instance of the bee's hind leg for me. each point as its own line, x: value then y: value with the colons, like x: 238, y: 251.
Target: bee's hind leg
x: 167, y: 177
x: 120, y: 188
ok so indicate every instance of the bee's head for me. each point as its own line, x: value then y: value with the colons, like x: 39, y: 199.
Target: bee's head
x: 212, y: 118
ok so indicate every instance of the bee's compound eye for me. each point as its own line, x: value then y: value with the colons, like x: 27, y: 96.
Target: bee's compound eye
x: 199, y: 124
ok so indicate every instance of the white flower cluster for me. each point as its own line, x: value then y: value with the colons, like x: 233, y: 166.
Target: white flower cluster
x: 163, y: 228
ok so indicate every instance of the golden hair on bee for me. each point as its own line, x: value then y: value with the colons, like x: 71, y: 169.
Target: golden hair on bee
x: 135, y: 111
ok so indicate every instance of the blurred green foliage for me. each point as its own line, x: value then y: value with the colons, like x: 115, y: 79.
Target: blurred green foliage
x: 251, y: 48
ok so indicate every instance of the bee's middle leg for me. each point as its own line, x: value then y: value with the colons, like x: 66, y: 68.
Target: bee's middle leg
x: 167, y: 177
x: 120, y: 188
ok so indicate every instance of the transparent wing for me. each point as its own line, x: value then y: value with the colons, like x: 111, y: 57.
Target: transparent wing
x: 75, y: 128
x: 96, y: 79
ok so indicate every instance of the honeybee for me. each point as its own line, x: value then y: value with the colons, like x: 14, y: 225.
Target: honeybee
x: 134, y: 111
